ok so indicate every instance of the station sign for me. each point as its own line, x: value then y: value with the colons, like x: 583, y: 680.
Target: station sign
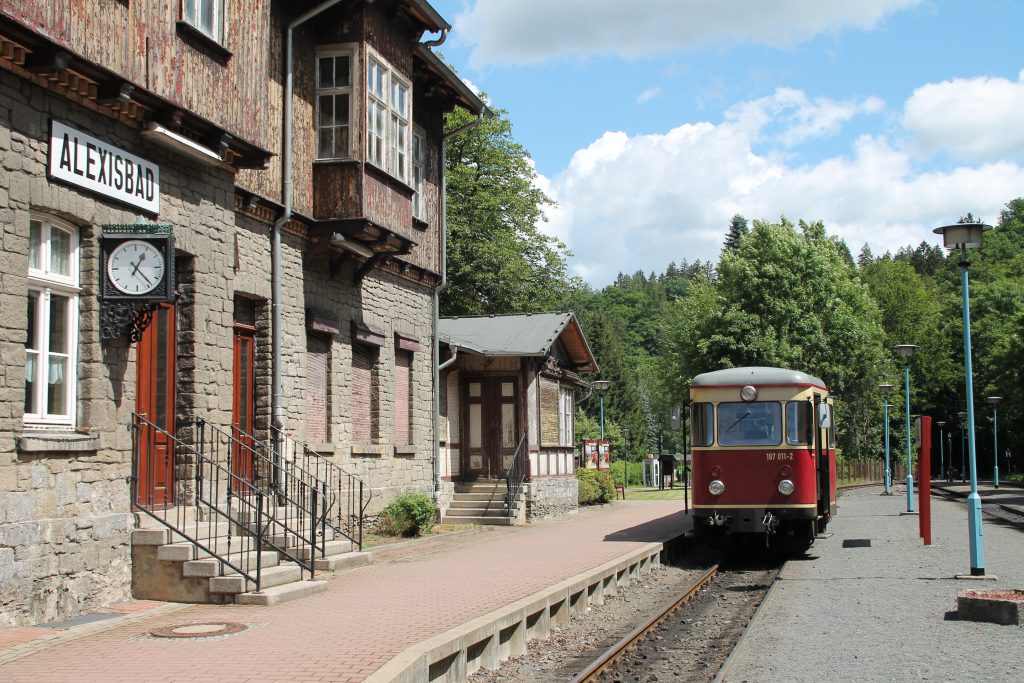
x: 84, y: 161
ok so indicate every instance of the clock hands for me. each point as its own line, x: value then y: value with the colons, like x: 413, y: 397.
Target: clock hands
x: 136, y: 271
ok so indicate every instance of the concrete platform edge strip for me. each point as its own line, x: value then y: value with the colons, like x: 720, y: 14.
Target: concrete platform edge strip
x: 486, y: 641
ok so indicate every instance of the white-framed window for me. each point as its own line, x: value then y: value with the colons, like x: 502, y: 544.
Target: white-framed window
x: 51, y: 341
x: 419, y: 203
x: 388, y: 118
x: 206, y: 16
x: 333, y: 104
x: 565, y: 416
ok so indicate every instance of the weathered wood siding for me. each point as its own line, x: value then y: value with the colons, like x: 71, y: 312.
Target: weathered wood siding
x: 140, y: 42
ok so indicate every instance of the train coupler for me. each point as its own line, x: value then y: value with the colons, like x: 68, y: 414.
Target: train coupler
x: 771, y: 523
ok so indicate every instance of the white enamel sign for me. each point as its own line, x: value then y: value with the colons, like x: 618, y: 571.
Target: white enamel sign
x: 80, y: 159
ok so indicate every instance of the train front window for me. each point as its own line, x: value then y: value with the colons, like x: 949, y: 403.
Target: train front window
x: 702, y: 419
x: 758, y: 423
x: 799, y: 423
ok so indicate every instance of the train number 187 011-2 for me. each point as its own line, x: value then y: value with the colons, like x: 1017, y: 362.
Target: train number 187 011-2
x: 778, y: 456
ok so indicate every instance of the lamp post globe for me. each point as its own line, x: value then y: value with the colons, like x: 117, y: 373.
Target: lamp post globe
x: 906, y: 352
x: 964, y: 235
x: 995, y: 439
x: 885, y: 389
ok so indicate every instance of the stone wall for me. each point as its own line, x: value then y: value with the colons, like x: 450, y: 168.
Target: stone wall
x: 551, y: 497
x: 65, y: 513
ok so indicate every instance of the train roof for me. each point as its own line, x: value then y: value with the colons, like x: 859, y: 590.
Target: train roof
x: 737, y: 377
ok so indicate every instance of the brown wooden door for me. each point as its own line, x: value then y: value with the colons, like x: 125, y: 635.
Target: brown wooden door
x: 243, y: 402
x: 154, y: 400
x: 490, y: 422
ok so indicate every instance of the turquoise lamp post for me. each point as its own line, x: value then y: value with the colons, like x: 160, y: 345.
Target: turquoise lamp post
x: 964, y: 236
x: 906, y: 352
x: 963, y: 445
x: 942, y: 456
x: 886, y: 388
x: 602, y: 386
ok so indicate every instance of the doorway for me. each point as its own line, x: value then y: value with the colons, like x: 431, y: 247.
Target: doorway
x: 490, y: 416
x: 243, y: 401
x: 155, y: 401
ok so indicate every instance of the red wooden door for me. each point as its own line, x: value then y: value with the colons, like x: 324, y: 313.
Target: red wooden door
x: 154, y: 400
x: 243, y: 402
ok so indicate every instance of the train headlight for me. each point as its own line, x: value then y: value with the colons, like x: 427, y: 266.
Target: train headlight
x: 748, y: 393
x: 786, y: 487
x: 716, y: 488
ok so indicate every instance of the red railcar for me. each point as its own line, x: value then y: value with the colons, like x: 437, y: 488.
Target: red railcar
x: 764, y: 457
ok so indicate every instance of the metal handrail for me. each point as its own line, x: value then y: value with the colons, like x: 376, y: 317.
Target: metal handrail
x: 515, y: 476
x: 295, y: 498
x: 348, y: 494
x: 212, y: 528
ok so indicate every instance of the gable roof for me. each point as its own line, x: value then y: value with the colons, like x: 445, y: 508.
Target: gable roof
x: 530, y: 334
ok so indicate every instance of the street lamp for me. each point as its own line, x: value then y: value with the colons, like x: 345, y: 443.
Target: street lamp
x: 602, y: 386
x: 886, y: 388
x: 963, y: 445
x: 942, y: 457
x: 995, y: 438
x: 906, y: 352
x: 963, y: 236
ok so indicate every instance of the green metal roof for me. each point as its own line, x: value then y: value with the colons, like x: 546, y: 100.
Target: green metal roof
x: 531, y: 334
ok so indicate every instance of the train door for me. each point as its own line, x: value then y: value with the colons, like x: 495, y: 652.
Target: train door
x: 823, y: 419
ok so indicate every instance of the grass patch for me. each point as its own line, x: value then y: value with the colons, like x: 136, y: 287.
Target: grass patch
x: 374, y: 539
x: 655, y: 494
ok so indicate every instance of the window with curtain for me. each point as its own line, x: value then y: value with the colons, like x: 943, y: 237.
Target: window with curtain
x: 51, y: 341
x: 388, y: 119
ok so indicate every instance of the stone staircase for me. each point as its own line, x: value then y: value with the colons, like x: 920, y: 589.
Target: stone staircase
x: 483, y: 502
x: 167, y: 566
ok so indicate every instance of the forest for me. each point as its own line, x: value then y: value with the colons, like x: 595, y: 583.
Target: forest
x: 782, y: 293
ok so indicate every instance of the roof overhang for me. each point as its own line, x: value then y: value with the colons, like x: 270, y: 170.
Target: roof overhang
x: 447, y: 79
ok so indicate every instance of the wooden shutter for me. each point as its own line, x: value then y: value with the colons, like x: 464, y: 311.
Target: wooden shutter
x: 549, y: 405
x: 318, y: 353
x: 362, y: 427
x: 403, y: 375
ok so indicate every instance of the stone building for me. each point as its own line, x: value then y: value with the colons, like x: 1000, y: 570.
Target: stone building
x: 171, y: 269
x: 508, y: 387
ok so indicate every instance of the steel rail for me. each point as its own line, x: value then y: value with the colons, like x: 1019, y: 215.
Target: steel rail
x: 615, y: 651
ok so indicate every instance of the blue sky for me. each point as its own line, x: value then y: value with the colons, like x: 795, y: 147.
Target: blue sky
x: 653, y: 122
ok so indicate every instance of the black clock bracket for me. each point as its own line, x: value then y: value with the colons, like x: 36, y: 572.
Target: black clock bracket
x: 136, y: 276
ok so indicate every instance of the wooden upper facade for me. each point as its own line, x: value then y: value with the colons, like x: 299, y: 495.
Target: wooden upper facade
x: 367, y: 107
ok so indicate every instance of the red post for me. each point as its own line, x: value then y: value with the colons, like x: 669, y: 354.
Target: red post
x: 924, y: 476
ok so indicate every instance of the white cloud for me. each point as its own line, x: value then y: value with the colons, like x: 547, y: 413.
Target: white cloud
x: 530, y: 31
x: 648, y: 95
x: 977, y: 119
x: 630, y: 203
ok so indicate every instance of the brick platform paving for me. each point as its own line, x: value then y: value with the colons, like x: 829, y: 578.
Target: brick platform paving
x: 367, y: 616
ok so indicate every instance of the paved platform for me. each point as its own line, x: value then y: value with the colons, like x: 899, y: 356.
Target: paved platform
x: 887, y: 612
x: 367, y: 617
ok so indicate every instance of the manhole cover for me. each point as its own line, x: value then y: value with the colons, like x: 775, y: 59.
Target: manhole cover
x: 204, y: 630
x: 857, y: 543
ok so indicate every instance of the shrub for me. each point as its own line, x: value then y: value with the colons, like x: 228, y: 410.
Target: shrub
x: 588, y: 491
x: 595, y: 486
x: 410, y: 514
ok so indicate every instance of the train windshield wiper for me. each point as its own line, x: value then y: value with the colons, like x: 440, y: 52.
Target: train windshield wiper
x: 739, y: 419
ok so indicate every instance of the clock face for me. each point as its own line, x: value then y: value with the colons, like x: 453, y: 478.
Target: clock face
x: 135, y: 267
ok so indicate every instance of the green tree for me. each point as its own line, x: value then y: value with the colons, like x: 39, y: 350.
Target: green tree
x: 498, y: 259
x: 738, y: 227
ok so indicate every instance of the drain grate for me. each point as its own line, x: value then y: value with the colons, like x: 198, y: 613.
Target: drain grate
x: 856, y: 542
x: 204, y: 630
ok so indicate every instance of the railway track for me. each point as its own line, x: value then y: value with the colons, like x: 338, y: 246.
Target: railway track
x: 692, y: 637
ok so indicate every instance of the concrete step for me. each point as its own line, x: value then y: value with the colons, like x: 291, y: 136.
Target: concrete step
x: 331, y: 548
x: 480, y: 488
x: 283, y: 593
x: 476, y: 512
x: 337, y: 563
x: 477, y: 504
x: 210, y: 567
x: 273, y: 576
x: 493, y: 521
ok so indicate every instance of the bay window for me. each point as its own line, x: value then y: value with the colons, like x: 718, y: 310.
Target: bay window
x: 419, y: 203
x: 388, y: 119
x: 51, y: 339
x: 206, y: 16
x: 333, y: 104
